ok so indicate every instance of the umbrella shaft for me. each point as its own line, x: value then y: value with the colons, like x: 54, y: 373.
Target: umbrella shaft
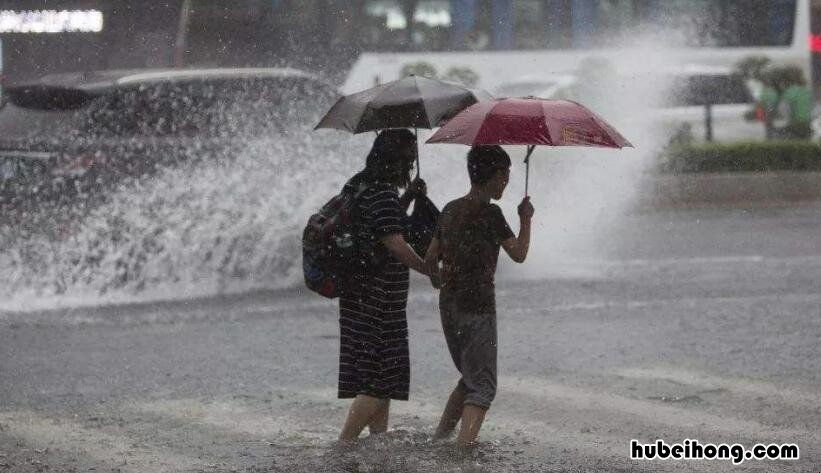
x: 530, y: 149
x: 418, y: 162
x: 527, y: 175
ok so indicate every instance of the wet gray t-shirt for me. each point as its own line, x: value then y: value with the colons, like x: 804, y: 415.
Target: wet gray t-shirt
x: 470, y: 234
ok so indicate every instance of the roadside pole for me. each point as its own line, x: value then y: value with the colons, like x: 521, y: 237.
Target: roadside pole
x: 182, y: 33
x: 708, y: 122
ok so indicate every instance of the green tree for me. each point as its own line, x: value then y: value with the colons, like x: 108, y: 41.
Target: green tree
x: 753, y: 67
x: 421, y: 69
x: 464, y: 75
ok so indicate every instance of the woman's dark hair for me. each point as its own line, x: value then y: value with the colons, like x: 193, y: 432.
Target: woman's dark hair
x: 484, y: 161
x: 391, y: 157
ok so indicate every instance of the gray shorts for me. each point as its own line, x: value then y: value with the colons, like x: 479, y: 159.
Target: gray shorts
x: 471, y: 339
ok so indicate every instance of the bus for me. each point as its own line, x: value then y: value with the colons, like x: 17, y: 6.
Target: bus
x: 497, y: 41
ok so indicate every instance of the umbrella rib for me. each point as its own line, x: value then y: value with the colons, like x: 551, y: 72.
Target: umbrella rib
x: 358, y: 127
x: 419, y: 99
x: 431, y: 123
x: 428, y: 122
x: 484, y: 123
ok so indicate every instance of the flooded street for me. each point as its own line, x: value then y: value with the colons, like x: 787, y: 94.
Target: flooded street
x: 177, y: 178
x: 702, y: 324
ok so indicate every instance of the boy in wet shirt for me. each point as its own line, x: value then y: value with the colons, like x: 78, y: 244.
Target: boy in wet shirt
x: 467, y: 239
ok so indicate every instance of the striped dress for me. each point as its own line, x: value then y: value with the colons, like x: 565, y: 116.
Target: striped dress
x: 373, y: 357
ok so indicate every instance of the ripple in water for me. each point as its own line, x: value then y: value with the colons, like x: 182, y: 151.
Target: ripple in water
x: 402, y: 451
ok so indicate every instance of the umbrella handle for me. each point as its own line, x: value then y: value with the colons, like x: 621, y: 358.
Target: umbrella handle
x: 418, y: 162
x: 527, y: 167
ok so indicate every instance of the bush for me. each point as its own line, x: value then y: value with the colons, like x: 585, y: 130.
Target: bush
x: 463, y: 75
x: 742, y: 157
x: 419, y: 69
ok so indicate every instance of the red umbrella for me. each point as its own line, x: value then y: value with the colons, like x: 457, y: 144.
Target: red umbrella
x: 529, y: 121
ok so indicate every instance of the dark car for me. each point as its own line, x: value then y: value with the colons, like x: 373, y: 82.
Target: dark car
x: 73, y: 134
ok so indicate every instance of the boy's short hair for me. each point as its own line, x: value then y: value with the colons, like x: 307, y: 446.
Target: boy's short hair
x: 484, y: 161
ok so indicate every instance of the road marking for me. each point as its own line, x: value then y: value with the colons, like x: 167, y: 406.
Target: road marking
x: 117, y: 451
x: 650, y: 412
x: 690, y: 260
x: 709, y: 382
x: 638, y: 304
x: 237, y: 417
x: 804, y: 259
x: 603, y: 268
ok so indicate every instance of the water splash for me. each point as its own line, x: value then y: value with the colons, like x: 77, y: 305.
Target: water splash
x: 206, y: 228
x: 233, y: 224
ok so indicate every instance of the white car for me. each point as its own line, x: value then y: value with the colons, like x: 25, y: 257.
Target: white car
x: 730, y: 96
x: 683, y: 95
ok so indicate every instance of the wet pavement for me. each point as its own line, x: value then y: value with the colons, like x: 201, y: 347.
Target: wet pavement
x: 701, y: 324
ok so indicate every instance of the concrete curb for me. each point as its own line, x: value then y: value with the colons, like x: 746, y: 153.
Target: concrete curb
x: 765, y: 188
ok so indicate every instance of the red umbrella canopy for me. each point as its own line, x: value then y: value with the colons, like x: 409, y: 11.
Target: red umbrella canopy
x: 529, y: 121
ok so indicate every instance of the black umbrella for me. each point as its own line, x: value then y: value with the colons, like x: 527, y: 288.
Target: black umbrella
x: 412, y: 102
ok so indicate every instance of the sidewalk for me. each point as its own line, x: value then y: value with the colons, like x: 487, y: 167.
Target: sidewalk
x: 709, y: 189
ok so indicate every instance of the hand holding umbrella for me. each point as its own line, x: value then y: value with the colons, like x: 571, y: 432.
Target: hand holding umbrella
x: 526, y: 209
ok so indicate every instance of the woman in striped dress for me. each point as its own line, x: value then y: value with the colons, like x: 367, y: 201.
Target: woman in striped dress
x: 374, y: 365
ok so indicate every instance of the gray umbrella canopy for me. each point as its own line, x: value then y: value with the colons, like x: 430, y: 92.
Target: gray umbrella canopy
x: 412, y: 102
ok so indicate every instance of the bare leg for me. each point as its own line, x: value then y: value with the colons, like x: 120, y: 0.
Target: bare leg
x: 452, y: 413
x: 363, y: 409
x: 379, y: 423
x: 472, y: 418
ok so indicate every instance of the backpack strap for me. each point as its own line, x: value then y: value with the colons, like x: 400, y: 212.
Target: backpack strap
x: 361, y: 189
x: 356, y: 189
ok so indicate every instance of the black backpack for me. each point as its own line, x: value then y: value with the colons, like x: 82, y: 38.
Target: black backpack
x: 330, y: 250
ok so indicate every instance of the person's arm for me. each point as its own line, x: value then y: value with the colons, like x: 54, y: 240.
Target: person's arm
x: 399, y: 248
x: 432, y: 263
x: 517, y: 247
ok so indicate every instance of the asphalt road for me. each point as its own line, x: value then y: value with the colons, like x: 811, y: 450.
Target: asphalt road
x: 701, y: 324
